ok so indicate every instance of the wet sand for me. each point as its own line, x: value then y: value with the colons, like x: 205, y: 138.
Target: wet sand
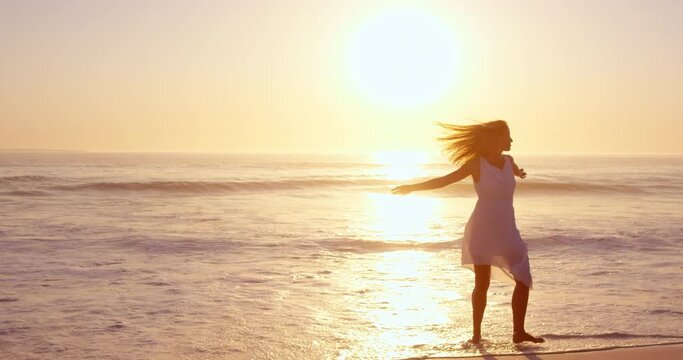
x: 659, y: 352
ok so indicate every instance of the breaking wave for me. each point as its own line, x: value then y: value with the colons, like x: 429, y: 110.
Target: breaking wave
x: 218, y: 186
x: 369, y: 246
x: 378, y: 184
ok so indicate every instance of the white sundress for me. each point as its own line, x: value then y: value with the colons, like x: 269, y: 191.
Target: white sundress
x: 491, y: 235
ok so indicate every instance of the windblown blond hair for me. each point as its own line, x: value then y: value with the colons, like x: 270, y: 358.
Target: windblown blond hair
x: 465, y: 142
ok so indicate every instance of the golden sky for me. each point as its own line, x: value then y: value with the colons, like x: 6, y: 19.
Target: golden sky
x: 339, y: 76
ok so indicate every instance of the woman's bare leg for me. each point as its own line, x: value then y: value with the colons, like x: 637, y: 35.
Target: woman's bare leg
x: 520, y: 299
x: 482, y: 279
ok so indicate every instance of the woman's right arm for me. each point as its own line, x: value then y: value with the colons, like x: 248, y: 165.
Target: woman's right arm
x: 457, y: 175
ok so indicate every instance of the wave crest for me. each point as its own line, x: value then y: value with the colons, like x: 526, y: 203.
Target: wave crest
x: 24, y: 178
x: 378, y: 184
x: 216, y: 186
x: 368, y: 246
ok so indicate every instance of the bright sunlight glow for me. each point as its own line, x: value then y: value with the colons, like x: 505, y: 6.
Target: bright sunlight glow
x: 405, y: 218
x: 401, y: 165
x: 402, y: 57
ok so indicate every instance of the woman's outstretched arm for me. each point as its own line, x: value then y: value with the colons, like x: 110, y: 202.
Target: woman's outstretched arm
x: 435, y: 183
x: 517, y: 171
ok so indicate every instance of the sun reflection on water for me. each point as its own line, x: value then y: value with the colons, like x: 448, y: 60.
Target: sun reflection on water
x: 409, y: 298
x: 398, y: 218
x: 406, y: 291
x: 401, y: 165
x: 411, y: 304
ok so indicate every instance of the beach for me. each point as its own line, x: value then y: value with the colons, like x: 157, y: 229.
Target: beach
x: 272, y: 256
x: 659, y: 352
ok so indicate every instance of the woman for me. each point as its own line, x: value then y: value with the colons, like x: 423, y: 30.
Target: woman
x: 491, y: 245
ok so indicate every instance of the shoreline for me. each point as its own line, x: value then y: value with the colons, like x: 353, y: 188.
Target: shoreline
x: 660, y: 351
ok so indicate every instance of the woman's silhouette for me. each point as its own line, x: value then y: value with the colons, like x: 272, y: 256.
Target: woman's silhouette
x: 491, y: 245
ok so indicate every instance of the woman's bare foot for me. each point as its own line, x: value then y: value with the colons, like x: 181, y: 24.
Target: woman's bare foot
x: 524, y: 336
x: 475, y: 339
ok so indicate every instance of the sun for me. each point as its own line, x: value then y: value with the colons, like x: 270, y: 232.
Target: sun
x: 402, y: 57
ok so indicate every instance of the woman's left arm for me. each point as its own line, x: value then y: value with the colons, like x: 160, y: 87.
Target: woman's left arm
x: 517, y: 171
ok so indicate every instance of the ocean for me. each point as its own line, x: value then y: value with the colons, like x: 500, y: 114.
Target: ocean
x: 274, y: 256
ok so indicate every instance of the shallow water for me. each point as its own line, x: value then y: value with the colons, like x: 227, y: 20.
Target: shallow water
x: 301, y: 256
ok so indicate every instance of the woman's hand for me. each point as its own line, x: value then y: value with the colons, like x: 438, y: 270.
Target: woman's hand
x: 516, y: 170
x: 402, y: 190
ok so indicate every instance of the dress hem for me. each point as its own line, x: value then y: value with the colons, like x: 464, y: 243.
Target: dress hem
x: 502, y: 274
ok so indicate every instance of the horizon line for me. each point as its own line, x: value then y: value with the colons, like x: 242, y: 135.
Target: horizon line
x: 276, y: 152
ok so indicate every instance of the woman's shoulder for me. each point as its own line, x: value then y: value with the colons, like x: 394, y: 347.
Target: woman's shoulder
x: 474, y: 161
x: 473, y: 166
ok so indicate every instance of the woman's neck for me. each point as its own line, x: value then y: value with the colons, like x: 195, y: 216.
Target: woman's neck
x: 494, y: 155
